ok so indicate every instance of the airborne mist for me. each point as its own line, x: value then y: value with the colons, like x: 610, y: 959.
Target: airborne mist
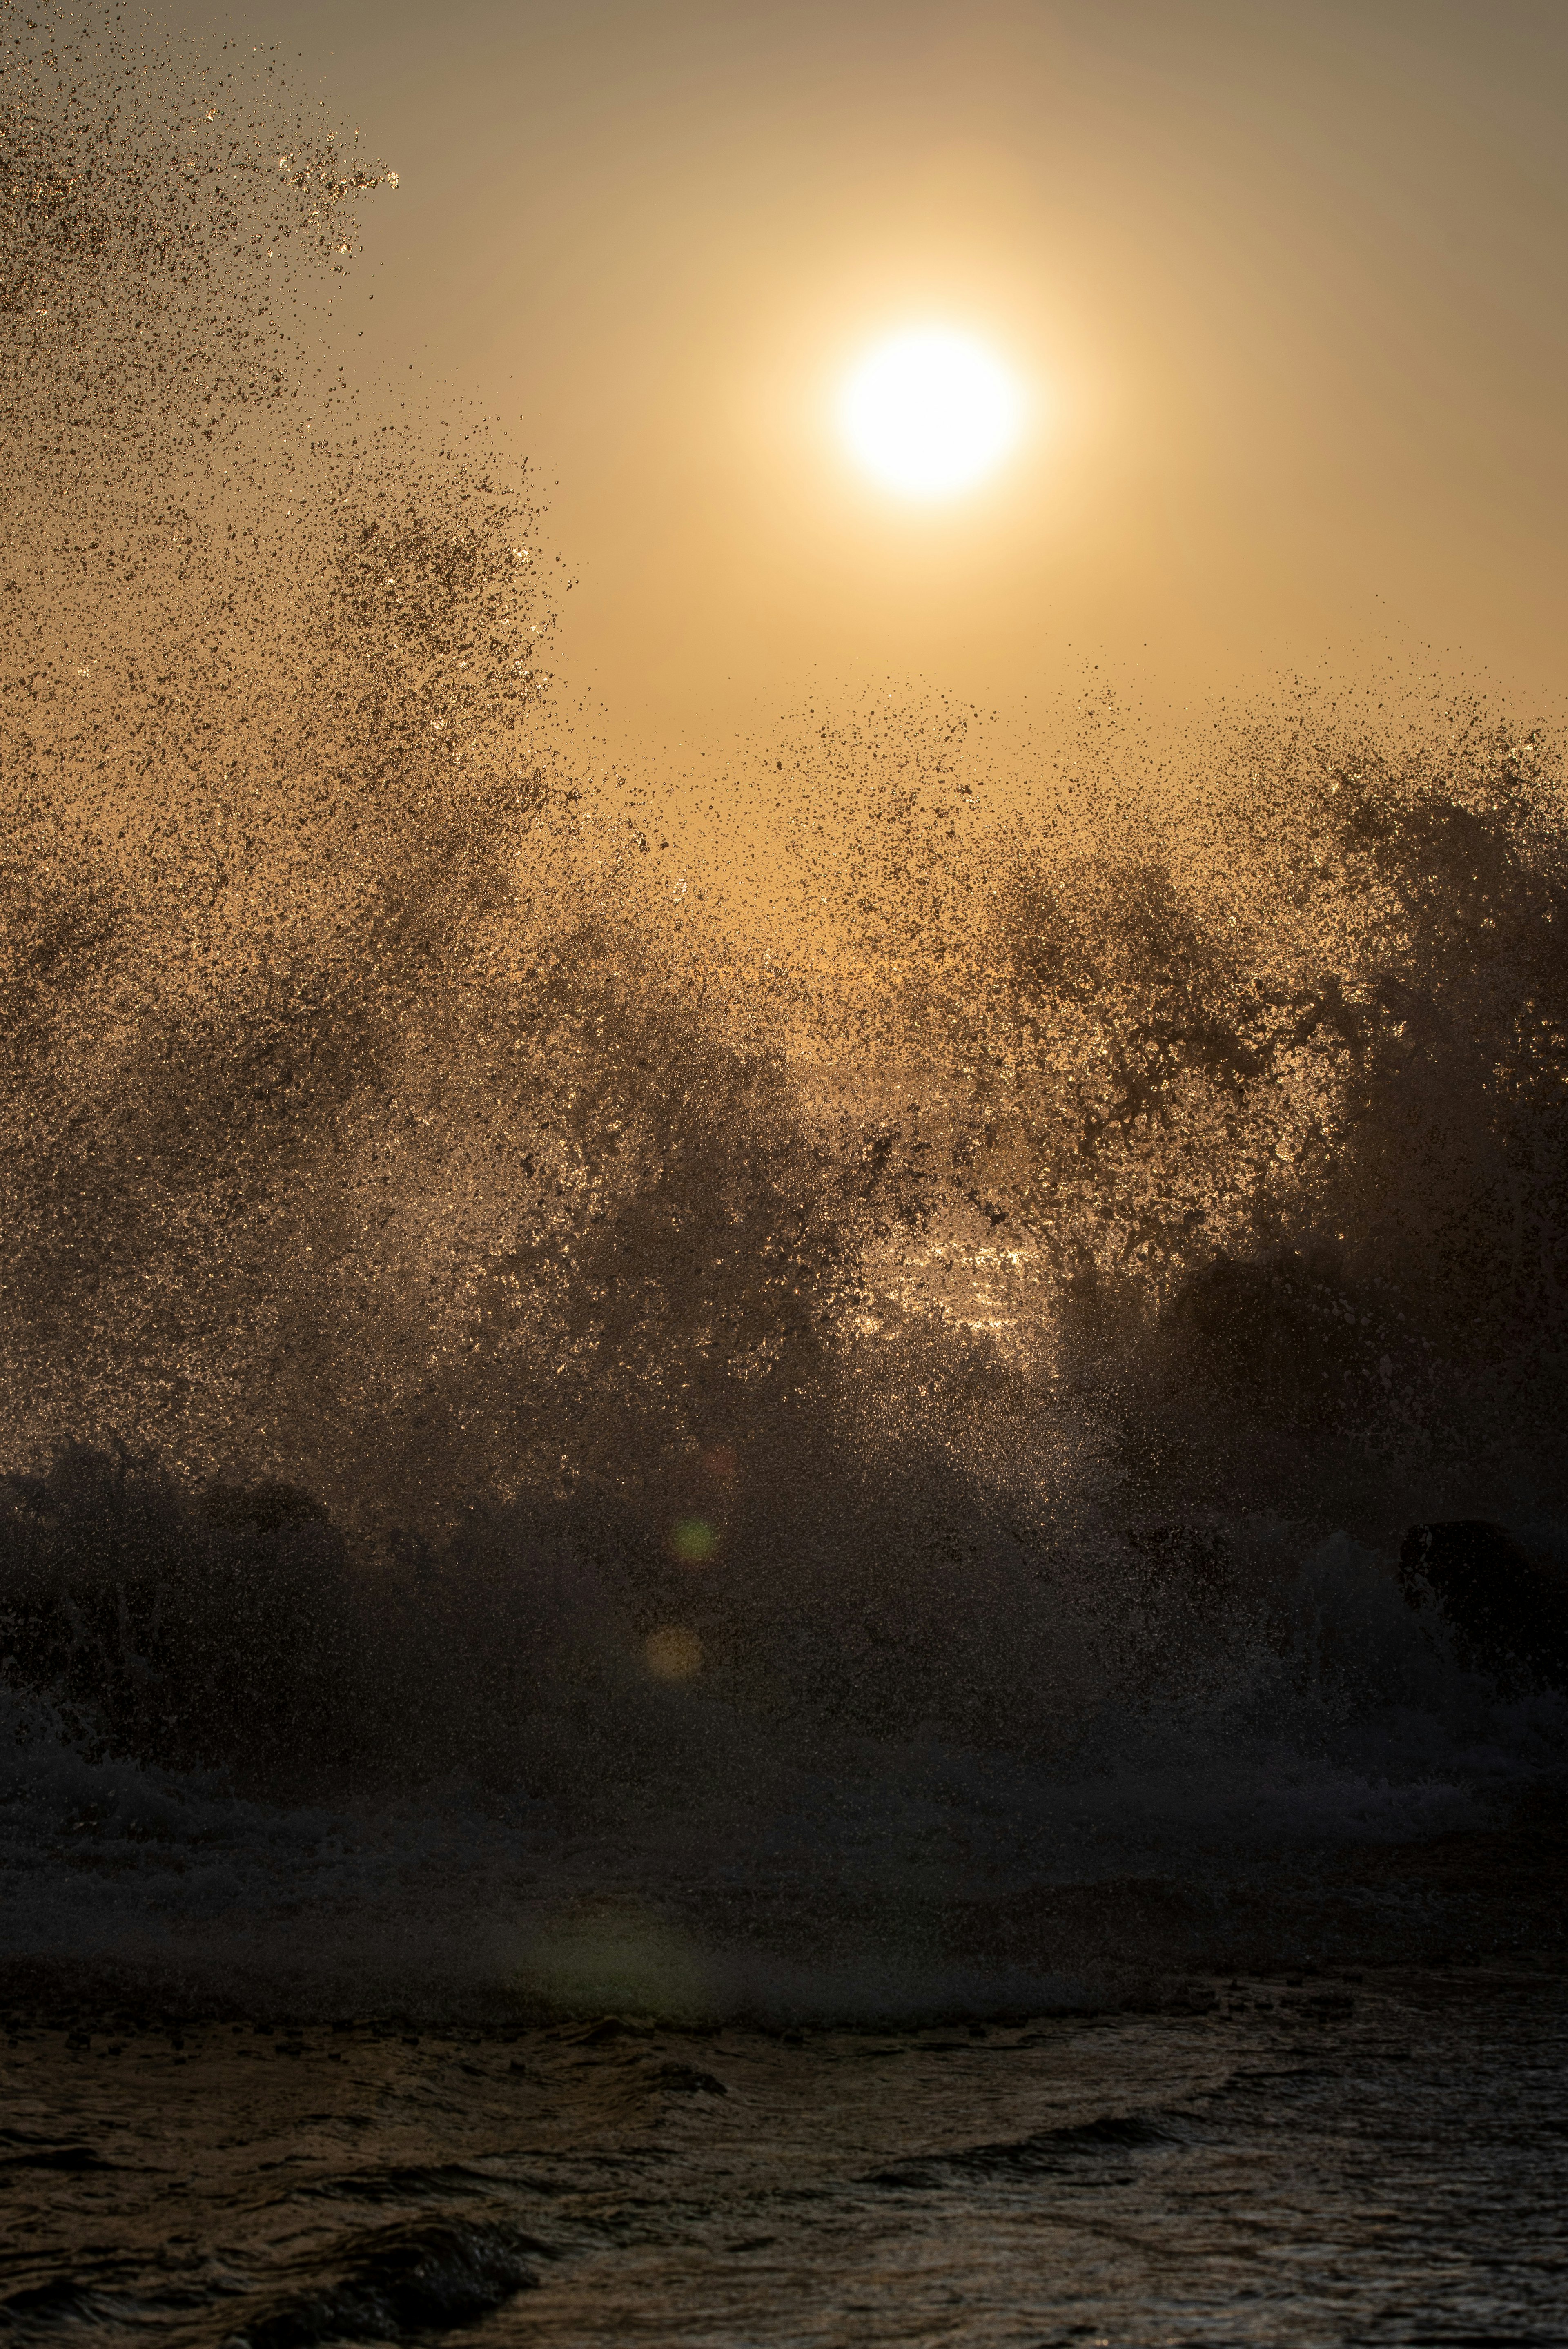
x: 964, y: 1259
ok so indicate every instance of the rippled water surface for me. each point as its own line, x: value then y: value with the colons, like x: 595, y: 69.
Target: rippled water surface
x: 1376, y: 2157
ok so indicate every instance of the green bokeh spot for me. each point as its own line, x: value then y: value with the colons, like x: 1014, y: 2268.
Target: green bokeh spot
x: 694, y: 1541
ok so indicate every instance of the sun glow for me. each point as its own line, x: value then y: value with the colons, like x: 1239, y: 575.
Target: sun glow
x: 930, y: 413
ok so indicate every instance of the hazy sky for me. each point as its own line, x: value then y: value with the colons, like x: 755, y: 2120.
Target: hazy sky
x: 1285, y: 280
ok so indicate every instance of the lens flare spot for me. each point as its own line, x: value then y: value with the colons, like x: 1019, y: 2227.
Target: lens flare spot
x: 673, y: 1653
x: 616, y: 1960
x: 694, y: 1541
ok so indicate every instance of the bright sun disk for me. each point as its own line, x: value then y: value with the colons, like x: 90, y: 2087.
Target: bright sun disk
x: 930, y: 412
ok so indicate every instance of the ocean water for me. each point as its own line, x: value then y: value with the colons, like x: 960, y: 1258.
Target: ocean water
x: 1371, y: 2158
x: 779, y: 1485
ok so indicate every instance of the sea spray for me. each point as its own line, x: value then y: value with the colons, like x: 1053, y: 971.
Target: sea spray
x: 818, y: 1376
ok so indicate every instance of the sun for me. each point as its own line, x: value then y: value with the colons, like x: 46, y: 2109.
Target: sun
x: 930, y: 412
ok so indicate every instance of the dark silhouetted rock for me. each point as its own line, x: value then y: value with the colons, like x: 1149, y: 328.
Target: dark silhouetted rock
x: 1508, y: 1612
x: 1290, y: 1339
x: 218, y: 1630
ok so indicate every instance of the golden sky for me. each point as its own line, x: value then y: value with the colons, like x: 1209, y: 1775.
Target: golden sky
x: 1283, y: 279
